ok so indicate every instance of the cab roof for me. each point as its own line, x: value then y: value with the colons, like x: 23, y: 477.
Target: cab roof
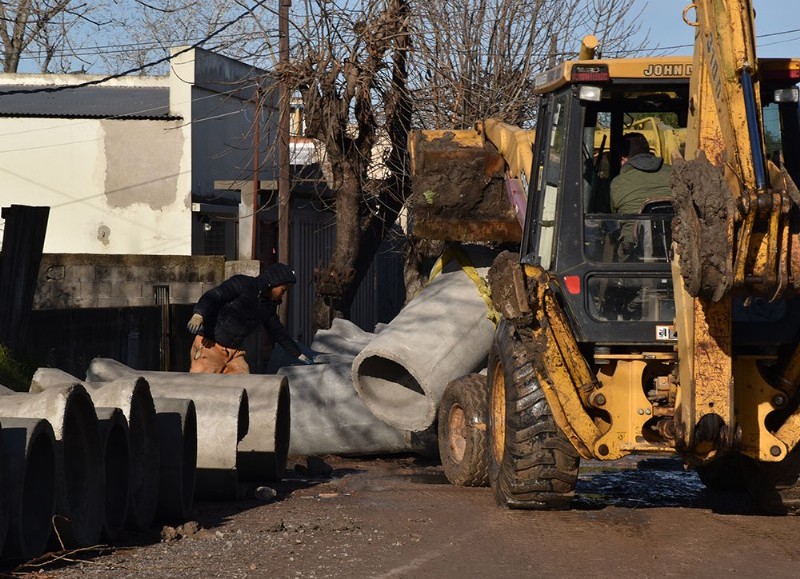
x: 647, y: 69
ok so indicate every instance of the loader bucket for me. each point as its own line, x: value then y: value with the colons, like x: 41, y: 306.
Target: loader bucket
x: 458, y: 188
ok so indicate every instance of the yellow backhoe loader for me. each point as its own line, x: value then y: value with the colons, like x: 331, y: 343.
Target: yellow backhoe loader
x: 686, y: 343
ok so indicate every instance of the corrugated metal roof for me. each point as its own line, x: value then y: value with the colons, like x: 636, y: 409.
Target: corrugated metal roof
x: 86, y: 102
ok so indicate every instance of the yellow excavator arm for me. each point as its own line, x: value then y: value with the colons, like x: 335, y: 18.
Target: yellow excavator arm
x: 732, y: 237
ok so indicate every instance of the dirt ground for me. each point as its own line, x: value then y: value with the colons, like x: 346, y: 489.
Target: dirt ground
x: 397, y: 517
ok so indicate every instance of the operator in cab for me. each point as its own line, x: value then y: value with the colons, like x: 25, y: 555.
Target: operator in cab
x: 642, y: 177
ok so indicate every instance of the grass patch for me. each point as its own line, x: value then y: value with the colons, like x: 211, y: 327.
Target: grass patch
x: 14, y: 374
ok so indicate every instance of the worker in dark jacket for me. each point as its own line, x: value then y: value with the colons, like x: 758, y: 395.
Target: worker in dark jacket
x: 225, y: 315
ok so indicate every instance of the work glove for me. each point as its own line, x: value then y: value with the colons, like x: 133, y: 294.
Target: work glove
x: 195, y: 323
x: 305, y: 359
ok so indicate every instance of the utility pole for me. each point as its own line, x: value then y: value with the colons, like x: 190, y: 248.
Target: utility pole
x: 256, y: 169
x: 284, y: 192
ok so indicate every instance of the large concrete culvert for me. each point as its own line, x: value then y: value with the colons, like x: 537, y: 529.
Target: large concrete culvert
x: 264, y: 434
x: 443, y: 333
x: 80, y: 478
x: 223, y: 420
x: 30, y: 485
x: 114, y: 442
x: 132, y: 395
x: 177, y: 430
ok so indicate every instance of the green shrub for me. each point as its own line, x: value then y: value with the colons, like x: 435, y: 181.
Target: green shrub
x: 13, y: 374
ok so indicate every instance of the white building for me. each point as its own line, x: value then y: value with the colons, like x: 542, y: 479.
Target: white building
x: 129, y: 165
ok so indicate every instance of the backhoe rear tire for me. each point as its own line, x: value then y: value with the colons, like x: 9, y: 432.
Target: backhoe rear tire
x: 463, y: 446
x: 774, y: 485
x: 532, y: 463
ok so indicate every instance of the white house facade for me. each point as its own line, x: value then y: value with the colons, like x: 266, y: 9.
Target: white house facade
x: 130, y: 165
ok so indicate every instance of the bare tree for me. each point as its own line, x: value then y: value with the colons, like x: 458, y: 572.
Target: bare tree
x: 478, y: 58
x: 357, y: 70
x: 41, y: 29
x: 350, y: 69
x: 148, y: 29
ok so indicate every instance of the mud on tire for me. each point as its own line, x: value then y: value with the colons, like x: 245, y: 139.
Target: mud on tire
x: 463, y: 446
x: 532, y: 463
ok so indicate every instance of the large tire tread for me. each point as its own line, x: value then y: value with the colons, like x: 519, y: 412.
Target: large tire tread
x: 467, y: 394
x: 539, y: 466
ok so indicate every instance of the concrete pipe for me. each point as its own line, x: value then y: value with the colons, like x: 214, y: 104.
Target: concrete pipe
x: 30, y: 485
x: 263, y: 451
x: 80, y: 479
x: 343, y: 338
x: 443, y: 333
x: 177, y: 432
x: 328, y: 417
x: 113, y: 431
x: 132, y: 396
x: 222, y: 420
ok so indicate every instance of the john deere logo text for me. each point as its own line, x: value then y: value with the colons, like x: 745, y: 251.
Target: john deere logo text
x: 668, y: 70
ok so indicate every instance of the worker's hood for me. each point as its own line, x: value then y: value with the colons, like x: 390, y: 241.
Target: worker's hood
x: 646, y: 162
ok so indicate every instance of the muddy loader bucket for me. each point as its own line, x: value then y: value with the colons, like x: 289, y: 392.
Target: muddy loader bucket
x: 458, y: 189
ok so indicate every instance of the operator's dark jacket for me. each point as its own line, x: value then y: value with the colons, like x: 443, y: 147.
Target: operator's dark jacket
x: 233, y: 309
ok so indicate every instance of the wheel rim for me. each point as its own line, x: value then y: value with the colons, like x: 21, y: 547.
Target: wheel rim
x: 498, y: 409
x: 457, y: 433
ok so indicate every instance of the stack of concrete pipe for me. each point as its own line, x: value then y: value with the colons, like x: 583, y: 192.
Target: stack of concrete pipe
x: 442, y: 333
x: 74, y: 503
x: 255, y: 449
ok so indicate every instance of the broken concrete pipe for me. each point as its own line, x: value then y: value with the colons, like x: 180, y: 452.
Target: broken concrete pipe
x: 131, y: 395
x: 114, y: 443
x: 80, y: 478
x: 328, y: 417
x: 263, y: 451
x: 222, y: 420
x: 30, y: 479
x: 177, y: 431
x: 441, y: 334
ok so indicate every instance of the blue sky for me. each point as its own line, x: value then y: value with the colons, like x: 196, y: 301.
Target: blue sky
x: 665, y: 23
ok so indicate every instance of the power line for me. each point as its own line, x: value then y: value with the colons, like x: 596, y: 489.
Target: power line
x: 142, y: 67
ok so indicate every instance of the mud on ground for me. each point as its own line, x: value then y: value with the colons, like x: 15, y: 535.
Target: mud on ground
x: 393, y: 517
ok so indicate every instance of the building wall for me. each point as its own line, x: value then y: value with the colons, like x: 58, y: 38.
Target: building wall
x: 126, y: 186
x: 106, y: 194
x: 79, y: 281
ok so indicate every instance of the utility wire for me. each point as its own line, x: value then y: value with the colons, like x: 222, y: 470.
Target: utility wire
x: 142, y: 67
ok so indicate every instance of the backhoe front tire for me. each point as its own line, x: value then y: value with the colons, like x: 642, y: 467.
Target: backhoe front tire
x: 532, y: 463
x: 463, y: 446
x: 723, y: 474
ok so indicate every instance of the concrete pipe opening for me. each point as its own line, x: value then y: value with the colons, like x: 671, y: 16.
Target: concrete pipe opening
x: 81, y: 511
x: 114, y: 442
x: 145, y: 455
x: 177, y: 431
x: 393, y: 394
x: 283, y: 427
x: 31, y: 476
x: 263, y: 453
